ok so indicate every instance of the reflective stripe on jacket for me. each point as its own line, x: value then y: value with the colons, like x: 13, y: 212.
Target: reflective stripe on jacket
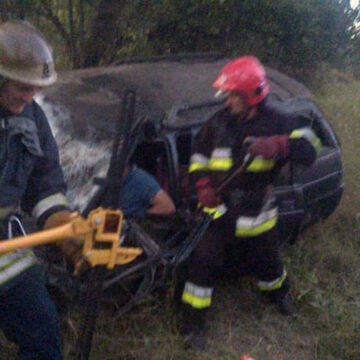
x: 30, y: 177
x: 49, y: 202
x: 221, y: 158
x: 14, y: 263
x: 308, y: 134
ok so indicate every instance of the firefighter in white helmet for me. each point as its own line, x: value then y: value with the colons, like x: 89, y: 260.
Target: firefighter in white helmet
x: 31, y: 179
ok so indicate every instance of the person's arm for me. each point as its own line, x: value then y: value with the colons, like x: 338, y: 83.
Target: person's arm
x: 200, y: 169
x: 295, y: 141
x: 161, y: 204
x: 45, y: 193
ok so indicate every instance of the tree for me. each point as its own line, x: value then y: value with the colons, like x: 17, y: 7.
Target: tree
x: 289, y: 34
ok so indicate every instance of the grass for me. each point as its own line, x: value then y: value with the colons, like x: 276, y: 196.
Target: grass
x: 323, y: 266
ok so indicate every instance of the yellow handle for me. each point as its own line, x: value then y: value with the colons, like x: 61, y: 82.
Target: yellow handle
x: 103, y: 226
x: 78, y: 226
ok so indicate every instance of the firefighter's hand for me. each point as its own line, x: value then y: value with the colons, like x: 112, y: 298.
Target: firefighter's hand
x: 206, y: 192
x: 270, y: 147
x: 71, y: 247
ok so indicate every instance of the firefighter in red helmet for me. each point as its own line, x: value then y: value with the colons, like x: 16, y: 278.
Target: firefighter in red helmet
x: 245, y: 215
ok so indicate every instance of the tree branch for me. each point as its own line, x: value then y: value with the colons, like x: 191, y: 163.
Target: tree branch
x: 46, y: 11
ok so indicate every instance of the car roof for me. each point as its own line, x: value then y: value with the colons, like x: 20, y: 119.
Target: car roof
x: 93, y: 95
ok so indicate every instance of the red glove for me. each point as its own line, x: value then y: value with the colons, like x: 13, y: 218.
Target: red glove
x: 206, y: 192
x: 270, y: 147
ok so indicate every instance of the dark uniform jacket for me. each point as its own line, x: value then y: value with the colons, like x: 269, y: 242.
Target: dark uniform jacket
x: 220, y: 145
x: 30, y: 177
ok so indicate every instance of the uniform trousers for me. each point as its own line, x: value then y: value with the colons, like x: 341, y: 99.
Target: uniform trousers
x: 220, y: 249
x: 28, y: 317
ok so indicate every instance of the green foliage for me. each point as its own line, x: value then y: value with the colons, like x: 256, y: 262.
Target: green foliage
x: 289, y: 34
x: 286, y: 33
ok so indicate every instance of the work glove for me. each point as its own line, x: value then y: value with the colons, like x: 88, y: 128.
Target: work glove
x: 270, y: 147
x: 71, y: 247
x: 206, y: 192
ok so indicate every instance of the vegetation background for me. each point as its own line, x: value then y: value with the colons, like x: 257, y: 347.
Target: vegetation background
x: 292, y: 35
x: 316, y: 41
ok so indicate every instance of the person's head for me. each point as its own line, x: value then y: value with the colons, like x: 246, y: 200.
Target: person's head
x: 243, y: 81
x: 26, y: 65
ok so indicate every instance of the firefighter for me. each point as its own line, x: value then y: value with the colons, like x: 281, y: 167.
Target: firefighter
x: 31, y: 179
x: 243, y: 230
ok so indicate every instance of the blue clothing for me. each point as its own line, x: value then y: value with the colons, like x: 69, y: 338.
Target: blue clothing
x: 28, y: 317
x: 137, y: 192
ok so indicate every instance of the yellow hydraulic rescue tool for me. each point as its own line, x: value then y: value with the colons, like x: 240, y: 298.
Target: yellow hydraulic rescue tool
x: 101, y: 231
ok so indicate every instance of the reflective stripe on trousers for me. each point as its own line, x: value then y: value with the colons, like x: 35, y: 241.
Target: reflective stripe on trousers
x: 198, y: 297
x: 248, y: 226
x: 274, y: 284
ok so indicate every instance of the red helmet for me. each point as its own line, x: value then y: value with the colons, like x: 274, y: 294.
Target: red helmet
x: 246, y: 76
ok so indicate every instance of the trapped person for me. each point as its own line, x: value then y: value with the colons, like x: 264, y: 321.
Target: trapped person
x: 32, y: 179
x: 243, y: 229
x: 142, y: 195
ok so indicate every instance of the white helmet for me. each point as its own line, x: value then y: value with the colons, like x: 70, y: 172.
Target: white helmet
x: 25, y: 56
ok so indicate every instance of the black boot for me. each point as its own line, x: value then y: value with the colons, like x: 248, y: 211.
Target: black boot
x: 282, y: 299
x: 193, y: 328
